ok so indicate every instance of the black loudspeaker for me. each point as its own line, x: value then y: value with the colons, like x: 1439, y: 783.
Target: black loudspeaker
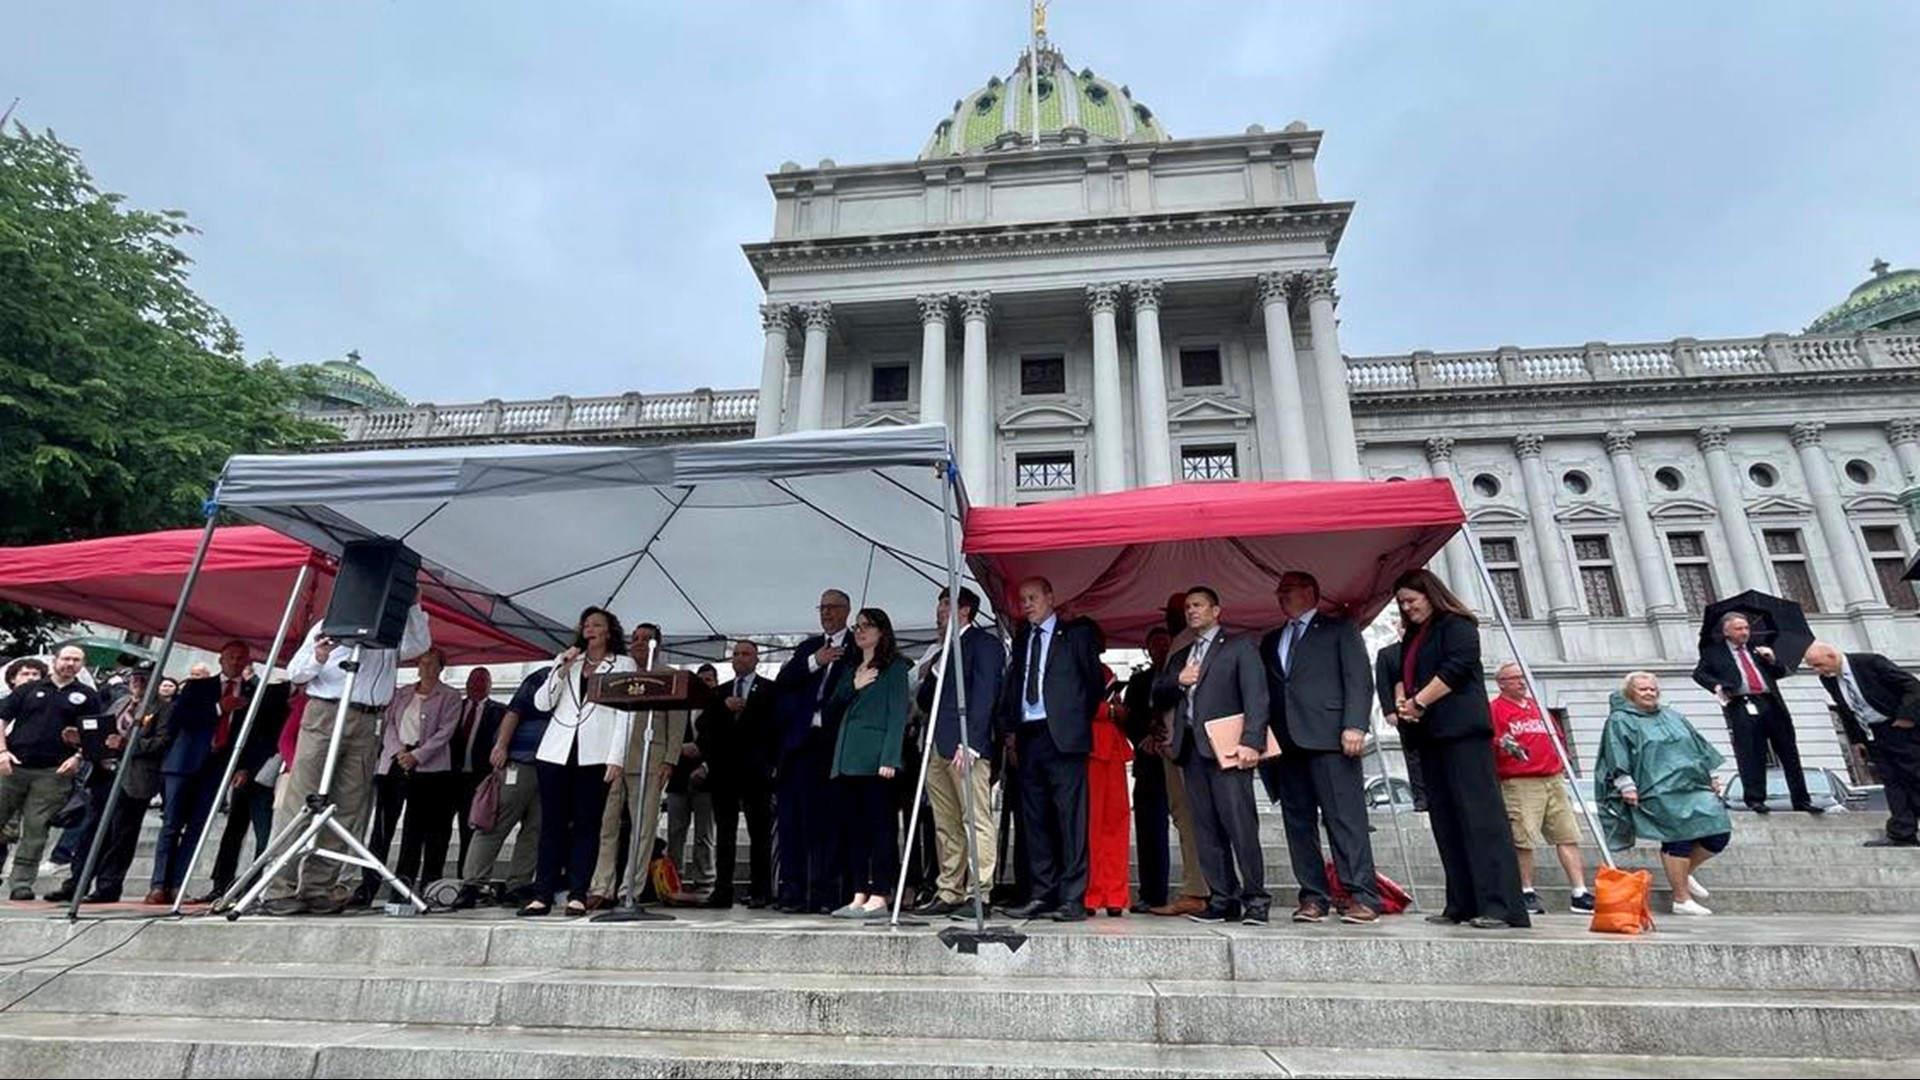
x: 379, y: 580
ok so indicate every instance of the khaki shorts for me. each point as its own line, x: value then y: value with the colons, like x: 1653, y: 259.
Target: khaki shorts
x: 1538, y: 809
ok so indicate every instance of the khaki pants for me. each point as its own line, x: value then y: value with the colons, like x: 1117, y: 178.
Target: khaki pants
x: 36, y: 795
x: 644, y: 806
x: 519, y: 805
x: 949, y: 813
x: 1192, y: 881
x: 315, y: 879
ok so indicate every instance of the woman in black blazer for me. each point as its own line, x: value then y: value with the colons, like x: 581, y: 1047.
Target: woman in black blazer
x: 1442, y: 711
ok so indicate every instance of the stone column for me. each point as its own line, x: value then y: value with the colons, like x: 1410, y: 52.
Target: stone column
x: 1109, y: 440
x: 1330, y: 369
x: 933, y: 359
x: 976, y: 401
x: 1283, y: 370
x: 1905, y: 437
x: 1462, y: 574
x: 1655, y: 588
x: 1562, y: 597
x: 812, y: 412
x: 1150, y: 386
x: 1856, y: 585
x: 1750, y: 571
x: 776, y: 320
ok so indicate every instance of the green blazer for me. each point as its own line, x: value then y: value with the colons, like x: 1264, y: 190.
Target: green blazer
x: 873, y: 721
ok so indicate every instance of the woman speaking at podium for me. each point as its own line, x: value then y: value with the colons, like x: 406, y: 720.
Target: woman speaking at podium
x: 583, y: 751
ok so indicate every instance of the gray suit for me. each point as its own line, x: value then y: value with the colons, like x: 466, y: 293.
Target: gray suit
x: 1226, y: 824
x: 1324, y: 689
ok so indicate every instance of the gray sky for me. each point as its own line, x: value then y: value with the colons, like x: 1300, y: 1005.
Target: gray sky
x: 516, y: 199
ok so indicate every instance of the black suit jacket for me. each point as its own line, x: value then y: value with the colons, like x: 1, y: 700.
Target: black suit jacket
x: 1071, y: 689
x: 1386, y: 675
x: 1451, y: 652
x: 740, y: 748
x: 264, y: 740
x: 1892, y: 692
x: 983, y: 659
x: 194, y: 717
x: 1231, y: 681
x: 486, y: 731
x: 799, y: 692
x: 1330, y: 690
x: 1717, y: 667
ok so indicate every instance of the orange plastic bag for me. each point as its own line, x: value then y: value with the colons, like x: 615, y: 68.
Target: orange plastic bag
x: 1622, y: 901
x: 666, y: 877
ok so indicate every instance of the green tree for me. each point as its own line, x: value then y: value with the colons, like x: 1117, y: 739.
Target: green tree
x: 122, y: 393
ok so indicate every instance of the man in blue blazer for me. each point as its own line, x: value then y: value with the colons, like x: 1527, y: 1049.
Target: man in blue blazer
x: 205, y: 722
x: 982, y: 659
x: 805, y: 827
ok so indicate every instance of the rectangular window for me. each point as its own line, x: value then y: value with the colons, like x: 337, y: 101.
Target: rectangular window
x: 1789, y: 559
x: 1692, y: 569
x: 1043, y: 375
x: 1594, y: 554
x: 1889, y: 562
x: 1200, y: 367
x: 1503, y: 565
x: 1209, y: 463
x: 1044, y: 472
x: 890, y: 382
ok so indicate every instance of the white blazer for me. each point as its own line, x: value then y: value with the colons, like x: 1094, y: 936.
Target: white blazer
x: 600, y: 731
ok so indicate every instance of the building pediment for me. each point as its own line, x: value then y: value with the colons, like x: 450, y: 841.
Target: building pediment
x: 1587, y: 512
x: 1778, y: 506
x: 886, y: 418
x: 1046, y: 417
x: 1872, y: 501
x: 1209, y: 410
x: 1682, y: 508
x: 1496, y: 515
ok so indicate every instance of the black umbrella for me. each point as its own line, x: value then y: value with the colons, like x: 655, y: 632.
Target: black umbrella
x: 1777, y: 622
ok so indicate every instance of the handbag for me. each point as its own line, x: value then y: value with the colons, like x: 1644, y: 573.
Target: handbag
x: 484, y: 811
x: 1622, y: 901
x: 74, y: 810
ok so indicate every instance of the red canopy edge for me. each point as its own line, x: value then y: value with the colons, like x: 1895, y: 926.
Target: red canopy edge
x: 1116, y: 558
x: 134, y: 581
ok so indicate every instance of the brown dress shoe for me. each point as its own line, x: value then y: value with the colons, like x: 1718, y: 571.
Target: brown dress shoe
x: 1310, y: 911
x: 160, y: 897
x: 1185, y: 905
x: 1359, y: 915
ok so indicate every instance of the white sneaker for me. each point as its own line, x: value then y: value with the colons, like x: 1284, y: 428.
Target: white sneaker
x: 1698, y: 890
x: 1690, y: 907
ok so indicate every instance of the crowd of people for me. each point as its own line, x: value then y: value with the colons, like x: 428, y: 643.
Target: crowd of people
x: 822, y: 760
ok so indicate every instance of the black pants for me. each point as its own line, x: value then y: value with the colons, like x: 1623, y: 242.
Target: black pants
x: 573, y: 797
x: 752, y: 797
x: 1895, y: 753
x: 1416, y: 776
x: 1751, y: 735
x: 808, y: 828
x: 870, y: 825
x: 249, y: 810
x: 1053, y: 818
x: 1327, y: 785
x: 1469, y: 823
x: 426, y: 802
x: 1226, y: 829
x: 1150, y: 817
x: 120, y: 837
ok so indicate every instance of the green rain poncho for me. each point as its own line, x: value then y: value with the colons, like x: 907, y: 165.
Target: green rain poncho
x: 1671, y: 765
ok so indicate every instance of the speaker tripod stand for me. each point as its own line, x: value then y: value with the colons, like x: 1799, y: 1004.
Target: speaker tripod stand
x: 301, y: 837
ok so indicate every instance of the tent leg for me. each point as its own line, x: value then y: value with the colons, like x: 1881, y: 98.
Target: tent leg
x: 1399, y: 830
x: 1533, y: 689
x: 114, y: 794
x: 920, y: 784
x: 223, y: 799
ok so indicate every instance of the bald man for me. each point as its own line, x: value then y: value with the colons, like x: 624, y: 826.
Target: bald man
x: 1880, y: 702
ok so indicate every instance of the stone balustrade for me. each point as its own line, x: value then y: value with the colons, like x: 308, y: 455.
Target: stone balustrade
x: 713, y: 413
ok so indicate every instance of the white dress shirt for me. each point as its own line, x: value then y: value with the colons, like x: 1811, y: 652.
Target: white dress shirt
x: 1037, y: 710
x: 379, y: 668
x: 1290, y: 637
x: 838, y: 641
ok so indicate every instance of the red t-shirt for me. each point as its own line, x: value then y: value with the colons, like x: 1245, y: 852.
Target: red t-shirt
x: 1529, y: 729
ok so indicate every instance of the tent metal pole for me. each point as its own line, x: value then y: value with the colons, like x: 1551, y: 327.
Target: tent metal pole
x: 1533, y: 689
x: 223, y: 797
x: 147, y: 694
x: 969, y: 760
x: 949, y: 643
x: 1393, y: 809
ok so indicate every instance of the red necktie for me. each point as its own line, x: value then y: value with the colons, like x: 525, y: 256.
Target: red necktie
x: 223, y: 729
x: 1755, y: 683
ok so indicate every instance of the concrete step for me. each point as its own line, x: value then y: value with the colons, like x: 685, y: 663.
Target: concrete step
x: 168, y: 1048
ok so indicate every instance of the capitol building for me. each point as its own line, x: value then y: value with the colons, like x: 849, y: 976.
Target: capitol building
x: 1092, y: 304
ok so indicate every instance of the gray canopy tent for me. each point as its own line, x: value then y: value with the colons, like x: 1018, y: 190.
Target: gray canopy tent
x: 709, y: 541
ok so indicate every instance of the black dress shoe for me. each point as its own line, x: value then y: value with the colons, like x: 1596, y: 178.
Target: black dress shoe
x: 1254, y: 916
x: 1074, y: 913
x: 62, y: 894
x: 1034, y: 910
x: 1759, y: 808
x: 937, y: 907
x: 968, y: 912
x: 719, y: 900
x: 1141, y: 907
x: 1216, y: 913
x: 1809, y: 808
x: 100, y: 898
x: 755, y: 903
x: 1888, y: 841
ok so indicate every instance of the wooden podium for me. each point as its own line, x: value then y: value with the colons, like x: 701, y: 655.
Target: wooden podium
x: 641, y: 691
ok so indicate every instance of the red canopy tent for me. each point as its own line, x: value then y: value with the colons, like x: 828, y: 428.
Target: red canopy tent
x: 1116, y: 558
x: 133, y: 582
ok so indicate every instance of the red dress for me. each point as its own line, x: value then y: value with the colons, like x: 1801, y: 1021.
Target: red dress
x: 1108, y: 814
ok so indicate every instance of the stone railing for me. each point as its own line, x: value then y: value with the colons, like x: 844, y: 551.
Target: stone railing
x: 1602, y: 362
x: 715, y: 413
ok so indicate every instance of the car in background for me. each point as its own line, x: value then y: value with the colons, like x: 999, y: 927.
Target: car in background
x: 1824, y: 787
x: 1377, y: 793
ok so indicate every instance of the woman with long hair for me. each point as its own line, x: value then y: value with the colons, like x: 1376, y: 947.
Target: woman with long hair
x: 1441, y: 709
x: 872, y: 699
x: 582, y: 752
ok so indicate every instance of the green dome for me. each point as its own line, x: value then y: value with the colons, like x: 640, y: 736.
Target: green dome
x: 345, y: 384
x: 1889, y: 300
x: 1076, y: 108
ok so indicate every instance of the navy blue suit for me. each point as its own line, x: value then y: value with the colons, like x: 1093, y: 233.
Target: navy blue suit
x: 191, y: 772
x: 806, y: 828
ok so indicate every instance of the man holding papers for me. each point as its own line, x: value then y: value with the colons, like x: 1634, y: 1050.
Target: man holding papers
x: 1214, y: 686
